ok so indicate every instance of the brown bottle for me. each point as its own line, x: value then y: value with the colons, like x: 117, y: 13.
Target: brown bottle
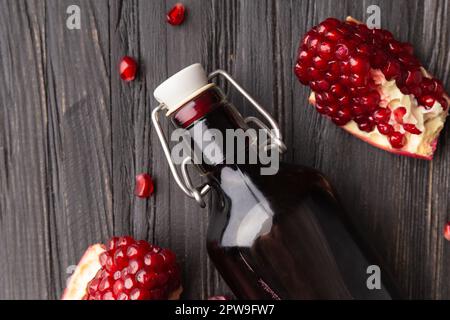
x: 271, y: 236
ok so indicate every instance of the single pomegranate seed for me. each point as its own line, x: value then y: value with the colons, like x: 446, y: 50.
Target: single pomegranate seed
x: 413, y: 77
x: 395, y: 47
x: 370, y: 101
x: 320, y: 63
x: 399, y: 114
x: 147, y: 278
x: 123, y: 296
x: 359, y: 64
x: 343, y: 116
x: 382, y: 115
x: 105, y: 284
x: 139, y: 294
x: 320, y: 85
x: 333, y: 35
x: 128, y: 68
x: 176, y: 15
x: 120, y: 259
x: 366, y: 126
x: 302, y: 73
x: 397, y: 140
x: 447, y: 231
x: 108, y: 295
x: 332, y: 109
x: 411, y: 128
x: 326, y: 50
x: 118, y: 287
x: 427, y: 101
x: 93, y: 286
x: 135, y: 265
x: 392, y: 70
x: 314, y: 74
x: 342, y: 52
x: 385, y: 129
x: 144, y: 185
x: 154, y: 261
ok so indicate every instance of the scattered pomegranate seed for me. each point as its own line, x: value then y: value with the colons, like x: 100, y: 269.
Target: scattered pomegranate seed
x: 128, y: 68
x: 447, y: 231
x: 176, y: 15
x: 144, y: 185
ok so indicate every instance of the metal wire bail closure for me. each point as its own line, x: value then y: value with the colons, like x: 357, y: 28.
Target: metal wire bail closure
x: 185, y: 182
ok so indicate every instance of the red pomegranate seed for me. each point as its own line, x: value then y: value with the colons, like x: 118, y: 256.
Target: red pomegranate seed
x: 366, y: 126
x: 359, y: 64
x: 342, y: 52
x: 427, y: 101
x: 123, y: 296
x: 128, y: 68
x: 399, y: 113
x: 392, y: 70
x: 154, y: 261
x: 118, y: 287
x: 411, y: 128
x: 382, y: 115
x: 176, y: 15
x: 326, y: 49
x: 397, y: 140
x: 139, y: 294
x: 447, y: 231
x: 144, y: 185
x: 385, y: 128
x: 108, y: 295
x: 413, y: 77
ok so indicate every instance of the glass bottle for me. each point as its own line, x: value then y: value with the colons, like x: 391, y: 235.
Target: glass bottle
x: 282, y: 235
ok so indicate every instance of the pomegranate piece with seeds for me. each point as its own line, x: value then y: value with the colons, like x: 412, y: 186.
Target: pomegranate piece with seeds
x: 372, y: 86
x: 125, y: 269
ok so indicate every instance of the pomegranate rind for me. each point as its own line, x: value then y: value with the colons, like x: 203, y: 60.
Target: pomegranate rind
x: 430, y: 144
x: 86, y: 269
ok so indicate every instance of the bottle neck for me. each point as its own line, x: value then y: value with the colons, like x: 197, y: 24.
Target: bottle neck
x: 208, y: 122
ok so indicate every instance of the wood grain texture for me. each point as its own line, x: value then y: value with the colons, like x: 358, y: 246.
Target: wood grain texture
x: 73, y: 135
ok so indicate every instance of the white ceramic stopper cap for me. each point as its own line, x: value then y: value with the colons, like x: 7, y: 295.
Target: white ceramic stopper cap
x: 181, y: 87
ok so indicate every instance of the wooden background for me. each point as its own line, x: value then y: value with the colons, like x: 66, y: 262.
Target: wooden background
x: 73, y: 135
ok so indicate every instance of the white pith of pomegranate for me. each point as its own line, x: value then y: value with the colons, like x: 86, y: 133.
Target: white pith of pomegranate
x: 125, y: 269
x: 372, y: 86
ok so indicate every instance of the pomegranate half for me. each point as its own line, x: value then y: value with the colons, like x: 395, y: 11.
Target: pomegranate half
x: 125, y: 269
x: 373, y: 86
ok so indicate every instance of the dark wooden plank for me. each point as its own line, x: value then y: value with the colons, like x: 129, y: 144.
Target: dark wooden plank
x: 25, y: 203
x: 79, y: 137
x: 435, y: 50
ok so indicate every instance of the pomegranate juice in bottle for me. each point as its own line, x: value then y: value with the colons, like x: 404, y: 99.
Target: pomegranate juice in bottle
x: 270, y: 236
